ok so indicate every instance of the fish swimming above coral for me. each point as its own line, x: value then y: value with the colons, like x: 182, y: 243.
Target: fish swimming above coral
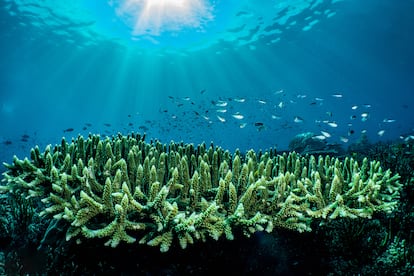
x: 125, y: 190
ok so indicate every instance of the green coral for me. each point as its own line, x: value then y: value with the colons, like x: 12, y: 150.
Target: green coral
x: 125, y: 190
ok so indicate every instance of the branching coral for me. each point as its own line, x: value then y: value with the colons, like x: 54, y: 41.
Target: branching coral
x: 126, y: 190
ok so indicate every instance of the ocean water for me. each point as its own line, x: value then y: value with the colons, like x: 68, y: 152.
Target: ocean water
x: 241, y: 74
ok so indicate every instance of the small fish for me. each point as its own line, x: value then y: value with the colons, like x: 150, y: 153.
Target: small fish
x: 205, y: 117
x: 388, y: 120
x: 344, y: 139
x: 221, y: 119
x: 319, y: 137
x: 350, y: 132
x: 243, y: 125
x: 261, y: 101
x: 278, y: 92
x: 274, y: 117
x: 381, y: 132
x: 240, y: 100
x: 337, y: 95
x: 298, y: 119
x: 68, y: 130
x: 408, y: 138
x: 353, y: 117
x: 364, y: 116
x: 318, y: 99
x: 312, y: 103
x: 25, y: 136
x: 354, y: 107
x: 84, y: 128
x: 329, y: 113
x: 326, y: 134
x: 258, y: 124
x: 107, y: 125
x: 367, y: 105
x: 300, y: 96
x: 7, y: 142
x: 242, y: 13
x: 238, y: 116
x: 203, y: 91
x: 332, y: 124
x: 221, y: 104
x: 221, y: 110
x: 281, y: 105
x: 186, y: 98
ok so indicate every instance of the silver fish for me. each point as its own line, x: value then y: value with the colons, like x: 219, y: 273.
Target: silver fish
x: 319, y: 137
x: 344, y: 139
x: 326, y: 134
x: 221, y: 119
x: 221, y: 104
x: 238, y: 116
x: 381, y: 132
x: 364, y: 116
x: 332, y: 124
x: 298, y: 119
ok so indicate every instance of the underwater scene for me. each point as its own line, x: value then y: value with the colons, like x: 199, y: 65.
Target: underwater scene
x: 192, y: 137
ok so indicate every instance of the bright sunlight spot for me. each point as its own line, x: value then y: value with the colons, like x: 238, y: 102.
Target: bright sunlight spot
x: 154, y: 17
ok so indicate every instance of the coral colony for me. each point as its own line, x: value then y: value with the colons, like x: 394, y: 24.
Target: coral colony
x: 125, y: 190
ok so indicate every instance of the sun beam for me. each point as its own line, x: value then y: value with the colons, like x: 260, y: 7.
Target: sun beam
x: 166, y: 3
x: 154, y: 17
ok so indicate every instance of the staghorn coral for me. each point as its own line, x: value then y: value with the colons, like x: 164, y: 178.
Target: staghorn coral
x: 126, y: 190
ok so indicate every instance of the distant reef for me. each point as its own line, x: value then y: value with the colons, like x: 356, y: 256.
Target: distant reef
x: 122, y: 194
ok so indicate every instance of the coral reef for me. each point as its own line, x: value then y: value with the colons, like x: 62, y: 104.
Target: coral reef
x: 124, y: 190
x: 396, y: 256
x: 17, y: 219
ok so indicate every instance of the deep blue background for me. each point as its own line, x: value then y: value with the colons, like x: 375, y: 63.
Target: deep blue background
x: 363, y: 52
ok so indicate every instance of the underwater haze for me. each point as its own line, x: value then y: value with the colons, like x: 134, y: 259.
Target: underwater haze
x: 241, y: 74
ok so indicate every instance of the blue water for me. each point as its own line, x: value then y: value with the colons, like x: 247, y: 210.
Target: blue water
x: 341, y: 67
